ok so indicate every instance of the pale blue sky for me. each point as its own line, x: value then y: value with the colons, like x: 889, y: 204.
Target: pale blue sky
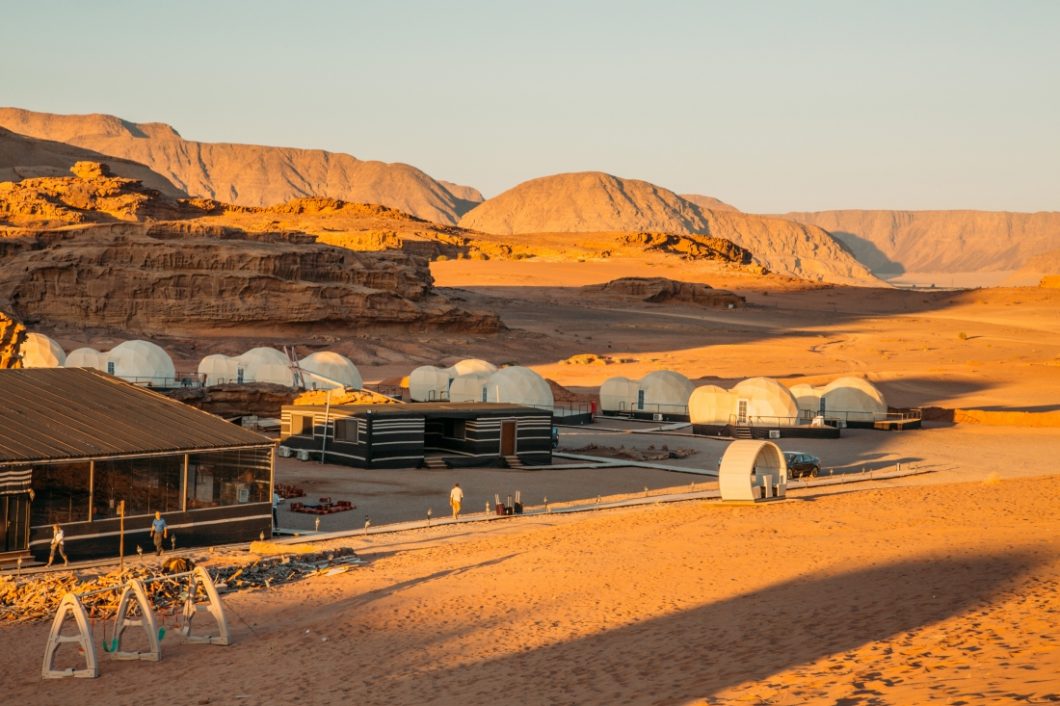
x: 772, y: 106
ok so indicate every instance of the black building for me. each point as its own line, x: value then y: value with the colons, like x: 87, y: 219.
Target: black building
x: 403, y: 435
x: 75, y: 443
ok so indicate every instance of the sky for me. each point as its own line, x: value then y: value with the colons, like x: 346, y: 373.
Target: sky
x: 770, y: 106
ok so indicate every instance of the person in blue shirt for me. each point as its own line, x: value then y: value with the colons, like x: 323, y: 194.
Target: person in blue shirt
x: 159, y: 531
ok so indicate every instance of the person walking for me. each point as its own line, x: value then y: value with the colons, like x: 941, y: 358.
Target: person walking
x: 456, y: 496
x: 58, y: 538
x: 159, y: 531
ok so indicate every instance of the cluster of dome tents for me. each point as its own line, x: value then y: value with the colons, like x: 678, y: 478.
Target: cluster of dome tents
x: 475, y: 380
x: 756, y: 400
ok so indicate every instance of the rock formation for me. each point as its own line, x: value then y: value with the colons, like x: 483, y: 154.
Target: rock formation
x: 23, y: 157
x: 708, y: 202
x: 593, y: 201
x: 663, y: 290
x: 12, y: 333
x: 893, y: 242
x: 251, y: 175
x: 138, y: 262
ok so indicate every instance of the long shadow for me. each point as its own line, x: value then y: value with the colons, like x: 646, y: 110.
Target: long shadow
x: 697, y: 653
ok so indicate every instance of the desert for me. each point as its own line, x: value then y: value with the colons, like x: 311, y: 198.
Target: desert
x: 675, y: 354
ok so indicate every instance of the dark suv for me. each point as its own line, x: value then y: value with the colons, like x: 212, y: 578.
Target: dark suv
x: 802, y: 464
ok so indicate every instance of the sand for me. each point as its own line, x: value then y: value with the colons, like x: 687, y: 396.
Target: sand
x: 944, y: 593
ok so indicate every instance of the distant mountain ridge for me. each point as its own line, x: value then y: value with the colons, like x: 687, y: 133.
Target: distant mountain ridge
x: 250, y: 175
x: 893, y: 242
x: 596, y: 202
x: 23, y: 157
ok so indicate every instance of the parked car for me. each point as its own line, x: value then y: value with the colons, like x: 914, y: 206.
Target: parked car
x: 802, y: 464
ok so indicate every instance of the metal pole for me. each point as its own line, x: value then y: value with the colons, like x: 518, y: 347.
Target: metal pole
x: 91, y: 489
x: 121, y: 535
x: 327, y: 417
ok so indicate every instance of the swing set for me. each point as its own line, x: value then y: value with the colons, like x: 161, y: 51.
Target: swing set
x: 134, y: 610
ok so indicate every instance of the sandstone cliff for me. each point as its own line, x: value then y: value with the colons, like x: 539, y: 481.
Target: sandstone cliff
x: 593, y: 201
x: 23, y: 157
x: 12, y: 334
x: 708, y: 202
x: 893, y: 242
x: 252, y: 175
x: 129, y: 259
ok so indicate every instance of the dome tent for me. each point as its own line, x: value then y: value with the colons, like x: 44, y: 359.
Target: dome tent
x: 664, y: 391
x: 471, y: 365
x: 618, y: 394
x: 265, y: 365
x: 518, y: 385
x: 40, y: 351
x: 755, y: 400
x: 86, y: 358
x: 217, y: 369
x: 428, y: 383
x: 855, y: 398
x: 141, y: 361
x: 469, y: 388
x: 333, y: 366
x: 808, y: 398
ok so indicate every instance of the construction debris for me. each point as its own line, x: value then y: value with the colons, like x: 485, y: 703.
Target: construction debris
x: 36, y: 597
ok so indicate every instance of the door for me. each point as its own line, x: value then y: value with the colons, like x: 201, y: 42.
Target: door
x: 640, y: 399
x: 507, y: 438
x: 14, y: 522
x: 741, y: 412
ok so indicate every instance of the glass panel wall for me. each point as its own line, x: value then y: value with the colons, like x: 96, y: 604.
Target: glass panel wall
x: 229, y: 478
x: 60, y: 493
x: 145, y: 484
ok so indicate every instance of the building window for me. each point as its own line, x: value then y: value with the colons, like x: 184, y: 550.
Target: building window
x: 301, y: 424
x: 228, y: 478
x: 454, y: 429
x: 346, y: 430
x: 147, y: 485
x: 60, y: 493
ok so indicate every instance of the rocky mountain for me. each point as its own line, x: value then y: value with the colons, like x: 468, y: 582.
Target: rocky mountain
x: 93, y: 251
x: 23, y: 157
x: 709, y: 202
x: 12, y: 333
x: 893, y: 242
x: 594, y: 201
x: 250, y: 175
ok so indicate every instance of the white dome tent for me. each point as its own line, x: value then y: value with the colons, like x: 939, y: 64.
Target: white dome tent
x: 141, y: 361
x: 471, y: 365
x: 518, y: 385
x: 847, y: 399
x: 469, y: 388
x: 618, y: 394
x: 264, y: 365
x: 217, y: 369
x: 662, y: 392
x: 40, y: 351
x: 428, y: 383
x: 760, y: 401
x: 333, y: 366
x: 665, y: 392
x: 86, y: 358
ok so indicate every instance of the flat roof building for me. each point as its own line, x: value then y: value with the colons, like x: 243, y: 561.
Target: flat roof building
x: 76, y: 442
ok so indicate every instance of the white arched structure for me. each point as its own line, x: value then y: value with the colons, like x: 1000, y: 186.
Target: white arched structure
x: 429, y: 384
x: 751, y: 471
x: 141, y: 361
x: 40, y: 351
x: 710, y: 404
x: 332, y: 366
x: 265, y: 365
x: 86, y: 358
x: 518, y: 385
x: 217, y: 369
x: 752, y: 401
x: 469, y: 388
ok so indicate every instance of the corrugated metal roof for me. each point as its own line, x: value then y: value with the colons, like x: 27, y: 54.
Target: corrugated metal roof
x: 75, y: 413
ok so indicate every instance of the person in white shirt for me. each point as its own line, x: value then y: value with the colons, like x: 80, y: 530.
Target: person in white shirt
x: 456, y: 496
x: 57, y: 543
